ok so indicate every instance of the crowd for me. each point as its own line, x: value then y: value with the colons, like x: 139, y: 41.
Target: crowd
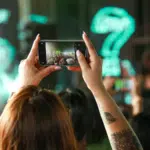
x: 75, y: 119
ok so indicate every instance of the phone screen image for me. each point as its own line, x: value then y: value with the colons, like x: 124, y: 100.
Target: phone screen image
x: 123, y: 87
x: 123, y: 84
x: 60, y: 52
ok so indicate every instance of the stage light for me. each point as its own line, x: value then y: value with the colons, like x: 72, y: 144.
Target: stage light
x: 38, y: 19
x: 7, y: 56
x: 111, y: 66
x: 4, y: 16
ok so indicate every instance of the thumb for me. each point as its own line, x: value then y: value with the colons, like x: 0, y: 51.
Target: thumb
x: 48, y: 70
x: 82, y: 61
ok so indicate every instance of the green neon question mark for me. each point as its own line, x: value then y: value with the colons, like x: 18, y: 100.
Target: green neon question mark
x: 118, y: 23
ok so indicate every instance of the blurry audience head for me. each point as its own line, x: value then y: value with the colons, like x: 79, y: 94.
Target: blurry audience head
x: 87, y: 123
x: 76, y: 103
x: 36, y: 119
x: 141, y: 126
x: 146, y: 62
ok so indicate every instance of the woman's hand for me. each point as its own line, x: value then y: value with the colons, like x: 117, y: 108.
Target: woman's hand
x: 109, y: 82
x: 92, y: 71
x: 30, y: 72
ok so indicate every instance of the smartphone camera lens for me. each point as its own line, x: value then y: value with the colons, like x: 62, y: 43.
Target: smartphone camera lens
x: 77, y: 46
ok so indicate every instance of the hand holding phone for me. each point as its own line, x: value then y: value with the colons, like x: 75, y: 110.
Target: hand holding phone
x: 60, y: 52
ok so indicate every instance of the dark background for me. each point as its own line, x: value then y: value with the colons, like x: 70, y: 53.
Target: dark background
x: 67, y: 20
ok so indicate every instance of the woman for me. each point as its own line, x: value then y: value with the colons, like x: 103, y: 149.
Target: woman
x: 47, y: 130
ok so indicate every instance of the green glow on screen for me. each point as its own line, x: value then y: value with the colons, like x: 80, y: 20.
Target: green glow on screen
x: 119, y: 84
x: 7, y: 54
x: 116, y: 22
x: 38, y: 19
x: 4, y: 16
x: 128, y: 99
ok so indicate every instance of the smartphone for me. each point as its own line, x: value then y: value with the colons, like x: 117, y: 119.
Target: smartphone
x: 123, y: 87
x: 111, y: 67
x: 123, y: 84
x: 60, y: 52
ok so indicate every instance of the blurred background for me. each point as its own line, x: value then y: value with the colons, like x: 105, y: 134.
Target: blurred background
x: 120, y: 31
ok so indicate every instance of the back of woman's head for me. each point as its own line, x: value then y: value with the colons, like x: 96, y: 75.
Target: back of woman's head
x: 35, y: 119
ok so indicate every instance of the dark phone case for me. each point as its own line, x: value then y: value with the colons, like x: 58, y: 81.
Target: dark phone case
x: 42, y: 52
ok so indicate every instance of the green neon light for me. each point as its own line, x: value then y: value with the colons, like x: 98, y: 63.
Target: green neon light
x: 4, y: 16
x: 128, y: 66
x: 38, y: 19
x: 109, y: 67
x: 128, y: 99
x: 7, y: 56
x: 120, y: 26
x: 119, y: 84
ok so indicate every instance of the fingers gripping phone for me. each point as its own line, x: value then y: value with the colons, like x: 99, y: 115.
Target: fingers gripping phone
x: 60, y: 52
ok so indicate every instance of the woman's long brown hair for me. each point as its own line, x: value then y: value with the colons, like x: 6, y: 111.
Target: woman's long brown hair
x: 36, y: 119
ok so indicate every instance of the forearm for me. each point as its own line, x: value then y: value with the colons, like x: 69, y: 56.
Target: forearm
x: 120, y: 134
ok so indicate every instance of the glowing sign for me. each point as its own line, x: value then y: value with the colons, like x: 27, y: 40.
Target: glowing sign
x: 111, y: 66
x: 119, y: 25
x: 38, y: 19
x: 7, y: 55
x: 116, y: 22
x: 7, y: 52
x: 4, y: 16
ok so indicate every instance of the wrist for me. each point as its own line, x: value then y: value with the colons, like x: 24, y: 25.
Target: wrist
x: 96, y: 90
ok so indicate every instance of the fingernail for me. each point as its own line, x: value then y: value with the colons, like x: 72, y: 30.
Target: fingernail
x: 38, y: 35
x: 78, y: 53
x: 84, y: 33
x: 57, y: 68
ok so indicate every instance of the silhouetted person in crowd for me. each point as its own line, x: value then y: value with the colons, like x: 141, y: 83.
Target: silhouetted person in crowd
x: 36, y: 119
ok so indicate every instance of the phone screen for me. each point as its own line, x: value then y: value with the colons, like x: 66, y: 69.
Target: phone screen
x: 123, y: 84
x: 60, y: 52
